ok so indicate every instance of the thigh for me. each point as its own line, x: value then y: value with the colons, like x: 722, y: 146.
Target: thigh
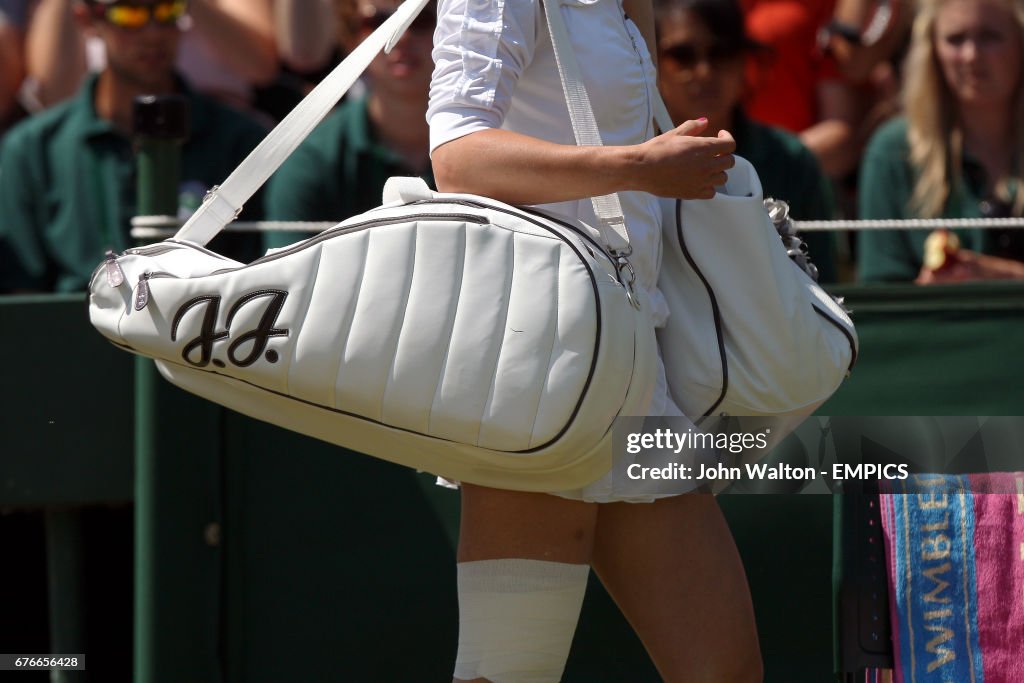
x: 673, y: 569
x: 499, y: 524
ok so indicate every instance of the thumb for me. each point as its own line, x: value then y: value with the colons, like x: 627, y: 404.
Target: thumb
x: 692, y: 127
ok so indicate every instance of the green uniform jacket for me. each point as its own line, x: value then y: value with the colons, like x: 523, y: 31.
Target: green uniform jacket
x: 337, y: 172
x: 67, y: 188
x: 790, y: 172
x: 886, y: 184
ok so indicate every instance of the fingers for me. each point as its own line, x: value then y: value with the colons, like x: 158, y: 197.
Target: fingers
x: 723, y: 143
x: 692, y: 127
x: 723, y: 162
x: 688, y: 165
x: 719, y: 165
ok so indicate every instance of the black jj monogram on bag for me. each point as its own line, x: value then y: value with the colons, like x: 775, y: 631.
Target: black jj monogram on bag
x: 273, y: 302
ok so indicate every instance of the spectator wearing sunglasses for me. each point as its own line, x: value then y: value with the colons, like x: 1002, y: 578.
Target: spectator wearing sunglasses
x: 67, y: 174
x: 229, y: 49
x: 341, y: 168
x: 701, y: 51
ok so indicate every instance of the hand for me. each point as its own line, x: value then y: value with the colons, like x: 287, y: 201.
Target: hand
x: 967, y: 266
x: 958, y: 267
x: 681, y: 164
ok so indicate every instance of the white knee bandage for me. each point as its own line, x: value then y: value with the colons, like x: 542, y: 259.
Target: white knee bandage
x: 517, y: 618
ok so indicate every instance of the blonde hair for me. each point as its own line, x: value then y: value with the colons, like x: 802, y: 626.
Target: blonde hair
x: 935, y: 131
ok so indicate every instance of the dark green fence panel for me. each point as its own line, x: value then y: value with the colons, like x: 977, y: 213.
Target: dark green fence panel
x: 950, y: 350
x: 68, y: 406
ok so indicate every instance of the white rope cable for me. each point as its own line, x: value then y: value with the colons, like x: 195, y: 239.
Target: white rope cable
x: 161, y: 227
x: 909, y: 224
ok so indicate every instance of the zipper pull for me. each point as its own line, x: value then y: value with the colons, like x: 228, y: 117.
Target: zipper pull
x: 142, y: 292
x: 115, y: 276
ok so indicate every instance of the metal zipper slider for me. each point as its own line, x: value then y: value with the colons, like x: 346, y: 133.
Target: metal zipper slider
x: 142, y: 292
x: 627, y: 276
x: 115, y: 276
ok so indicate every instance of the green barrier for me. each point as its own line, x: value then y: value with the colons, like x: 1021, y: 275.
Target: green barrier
x: 949, y: 350
x: 273, y: 557
x: 68, y: 406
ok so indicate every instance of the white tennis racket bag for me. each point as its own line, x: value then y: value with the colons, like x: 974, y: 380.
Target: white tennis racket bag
x: 449, y: 333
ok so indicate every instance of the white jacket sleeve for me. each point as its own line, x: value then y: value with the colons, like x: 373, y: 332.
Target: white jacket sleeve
x: 481, y: 48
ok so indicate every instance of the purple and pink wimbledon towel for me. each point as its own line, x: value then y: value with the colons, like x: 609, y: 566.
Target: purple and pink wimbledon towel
x: 956, y: 577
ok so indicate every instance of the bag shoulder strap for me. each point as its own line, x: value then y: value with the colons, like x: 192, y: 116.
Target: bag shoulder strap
x: 608, y: 208
x: 223, y: 203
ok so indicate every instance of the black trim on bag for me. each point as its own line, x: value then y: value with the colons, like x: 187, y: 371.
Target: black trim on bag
x: 846, y: 333
x: 338, y: 411
x: 715, y: 311
x: 341, y: 230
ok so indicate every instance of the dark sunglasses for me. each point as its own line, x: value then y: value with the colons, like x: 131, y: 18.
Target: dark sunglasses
x: 137, y: 16
x: 687, y: 56
x: 425, y: 21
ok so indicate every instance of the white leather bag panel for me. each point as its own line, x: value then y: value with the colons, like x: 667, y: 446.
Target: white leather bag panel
x: 477, y: 335
x: 510, y: 411
x: 419, y: 359
x: 380, y: 309
x: 785, y: 349
x: 572, y: 343
x: 339, y: 273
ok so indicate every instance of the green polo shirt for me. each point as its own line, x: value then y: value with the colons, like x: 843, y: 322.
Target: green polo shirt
x: 67, y: 188
x: 337, y: 172
x: 790, y: 172
x: 886, y: 184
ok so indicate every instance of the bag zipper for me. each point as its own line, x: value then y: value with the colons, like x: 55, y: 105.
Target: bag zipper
x: 170, y: 245
x: 115, y: 276
x: 531, y: 218
x: 345, y: 229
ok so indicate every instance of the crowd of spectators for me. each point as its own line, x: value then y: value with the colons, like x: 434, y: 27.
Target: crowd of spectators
x: 847, y: 108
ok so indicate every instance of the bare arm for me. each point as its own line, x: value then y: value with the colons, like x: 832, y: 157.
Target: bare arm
x: 306, y: 32
x: 833, y: 138
x: 879, y: 43
x: 519, y: 169
x: 55, y: 51
x: 242, y: 33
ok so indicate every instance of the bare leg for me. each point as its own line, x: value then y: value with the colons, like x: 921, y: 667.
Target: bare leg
x: 498, y: 524
x: 673, y: 569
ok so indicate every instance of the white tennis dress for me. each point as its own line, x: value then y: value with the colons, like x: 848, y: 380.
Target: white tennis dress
x: 495, y: 68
